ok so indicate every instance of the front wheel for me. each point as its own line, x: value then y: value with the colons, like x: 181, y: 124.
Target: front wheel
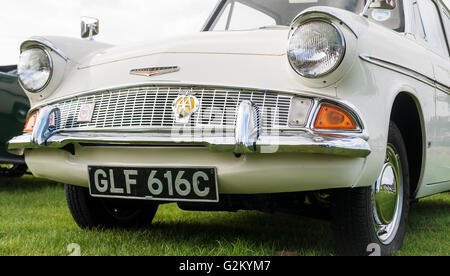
x: 372, y: 220
x: 90, y: 212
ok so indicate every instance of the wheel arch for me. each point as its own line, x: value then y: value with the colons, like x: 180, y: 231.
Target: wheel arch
x: 406, y: 113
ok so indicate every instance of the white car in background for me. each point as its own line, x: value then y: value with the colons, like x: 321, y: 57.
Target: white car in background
x: 337, y: 106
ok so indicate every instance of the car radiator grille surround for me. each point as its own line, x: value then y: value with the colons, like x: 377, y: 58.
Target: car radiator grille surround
x: 151, y: 107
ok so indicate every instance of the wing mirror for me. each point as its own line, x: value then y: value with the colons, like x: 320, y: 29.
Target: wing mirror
x: 89, y: 27
x: 380, y: 5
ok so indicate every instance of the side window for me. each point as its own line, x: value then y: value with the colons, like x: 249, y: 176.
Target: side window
x: 237, y: 16
x: 434, y: 34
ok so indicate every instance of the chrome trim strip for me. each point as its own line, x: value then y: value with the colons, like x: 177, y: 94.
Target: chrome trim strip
x: 443, y: 88
x: 301, y: 142
x: 323, y: 11
x: 44, y: 42
x: 406, y: 71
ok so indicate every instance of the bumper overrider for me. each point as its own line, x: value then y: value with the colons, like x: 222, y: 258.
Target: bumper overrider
x: 248, y: 135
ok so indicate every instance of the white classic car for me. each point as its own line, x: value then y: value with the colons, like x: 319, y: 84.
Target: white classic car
x: 341, y: 107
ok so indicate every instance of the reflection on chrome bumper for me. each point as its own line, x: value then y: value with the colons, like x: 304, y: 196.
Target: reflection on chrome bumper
x: 302, y: 142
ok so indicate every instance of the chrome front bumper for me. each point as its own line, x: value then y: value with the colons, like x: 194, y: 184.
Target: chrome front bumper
x: 302, y: 142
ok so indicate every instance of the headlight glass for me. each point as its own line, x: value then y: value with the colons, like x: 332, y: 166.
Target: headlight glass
x: 316, y: 48
x: 34, y: 69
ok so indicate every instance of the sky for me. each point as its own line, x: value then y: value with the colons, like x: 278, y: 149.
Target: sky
x: 121, y: 21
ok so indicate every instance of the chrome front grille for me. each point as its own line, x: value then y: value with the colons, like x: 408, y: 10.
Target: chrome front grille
x: 151, y: 107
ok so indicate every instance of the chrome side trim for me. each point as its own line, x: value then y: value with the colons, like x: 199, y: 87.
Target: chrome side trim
x: 443, y: 88
x: 301, y: 142
x: 406, y: 71
x: 46, y: 43
x: 318, y: 10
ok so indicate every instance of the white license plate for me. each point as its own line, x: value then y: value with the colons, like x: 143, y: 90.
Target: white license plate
x: 167, y: 184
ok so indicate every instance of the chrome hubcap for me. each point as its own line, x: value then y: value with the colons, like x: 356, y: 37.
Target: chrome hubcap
x: 387, y: 198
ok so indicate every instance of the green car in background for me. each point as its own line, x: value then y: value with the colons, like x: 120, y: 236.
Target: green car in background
x: 14, y: 106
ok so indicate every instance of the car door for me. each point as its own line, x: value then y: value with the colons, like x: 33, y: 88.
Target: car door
x: 434, y: 16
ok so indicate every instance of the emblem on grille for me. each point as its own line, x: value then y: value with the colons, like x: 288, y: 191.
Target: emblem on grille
x: 184, y: 106
x: 154, y: 71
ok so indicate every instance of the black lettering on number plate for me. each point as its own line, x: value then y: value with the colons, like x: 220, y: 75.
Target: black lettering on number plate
x: 179, y: 184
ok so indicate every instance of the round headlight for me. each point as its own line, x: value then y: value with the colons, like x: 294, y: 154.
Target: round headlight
x: 316, y: 48
x: 34, y: 69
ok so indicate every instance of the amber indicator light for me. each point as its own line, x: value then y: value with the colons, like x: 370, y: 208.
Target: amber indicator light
x: 332, y: 117
x: 30, y: 123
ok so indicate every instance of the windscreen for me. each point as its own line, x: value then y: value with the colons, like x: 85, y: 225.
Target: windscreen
x: 250, y: 14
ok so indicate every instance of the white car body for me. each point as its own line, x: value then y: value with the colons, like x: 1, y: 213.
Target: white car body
x: 261, y: 64
x: 232, y: 108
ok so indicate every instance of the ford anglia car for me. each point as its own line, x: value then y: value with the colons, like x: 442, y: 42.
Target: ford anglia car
x: 332, y: 108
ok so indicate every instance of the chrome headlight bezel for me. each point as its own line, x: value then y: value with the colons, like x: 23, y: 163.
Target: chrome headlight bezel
x: 342, y: 49
x: 51, y: 67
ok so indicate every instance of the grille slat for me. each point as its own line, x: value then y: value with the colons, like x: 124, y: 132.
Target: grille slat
x: 152, y: 107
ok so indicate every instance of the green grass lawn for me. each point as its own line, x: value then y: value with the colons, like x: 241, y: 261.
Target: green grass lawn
x: 35, y: 220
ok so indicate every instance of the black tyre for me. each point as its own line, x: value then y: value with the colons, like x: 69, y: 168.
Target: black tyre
x: 90, y: 212
x: 372, y: 220
x: 12, y: 170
